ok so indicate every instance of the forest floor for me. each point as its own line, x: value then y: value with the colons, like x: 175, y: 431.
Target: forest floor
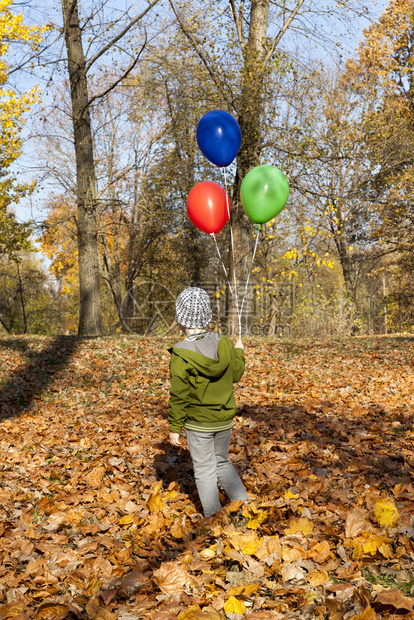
x: 99, y: 517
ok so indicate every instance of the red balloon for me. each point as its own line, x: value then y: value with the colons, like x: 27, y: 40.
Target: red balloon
x: 208, y: 207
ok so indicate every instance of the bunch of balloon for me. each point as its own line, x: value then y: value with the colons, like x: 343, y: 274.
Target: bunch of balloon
x: 219, y: 138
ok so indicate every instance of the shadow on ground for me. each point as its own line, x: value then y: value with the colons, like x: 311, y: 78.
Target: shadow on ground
x: 31, y: 379
x: 277, y: 447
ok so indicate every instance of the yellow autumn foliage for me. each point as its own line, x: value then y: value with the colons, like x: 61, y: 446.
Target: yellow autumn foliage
x: 257, y: 520
x: 12, y: 105
x: 386, y: 513
x: 246, y: 543
x: 371, y: 544
x: 234, y: 606
x: 301, y: 525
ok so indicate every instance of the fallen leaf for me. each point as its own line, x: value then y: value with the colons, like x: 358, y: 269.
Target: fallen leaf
x: 356, y: 523
x: 194, y: 613
x: 319, y: 552
x: 386, y: 513
x: 371, y: 544
x: 95, y: 476
x: 292, y: 571
x: 234, y: 606
x: 246, y: 543
x: 301, y: 525
x: 171, y: 577
x: 96, y: 612
x: 318, y: 578
x: 52, y: 608
x: 257, y: 520
x: 393, y: 601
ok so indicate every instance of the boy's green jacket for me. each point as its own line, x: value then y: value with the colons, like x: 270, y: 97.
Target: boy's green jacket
x: 201, y: 392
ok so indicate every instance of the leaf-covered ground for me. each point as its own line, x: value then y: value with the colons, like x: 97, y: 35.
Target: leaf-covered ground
x: 99, y: 518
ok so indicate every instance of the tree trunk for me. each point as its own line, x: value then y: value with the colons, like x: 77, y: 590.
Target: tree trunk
x: 250, y: 119
x: 22, y: 299
x: 346, y: 266
x: 90, y: 315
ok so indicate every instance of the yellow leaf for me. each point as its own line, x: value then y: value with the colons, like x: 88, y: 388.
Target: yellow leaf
x: 209, y: 553
x: 177, y: 530
x: 301, y: 525
x: 290, y: 495
x: 155, y: 503
x: 156, y: 488
x: 188, y: 614
x: 386, y: 513
x: 371, y: 544
x: 94, y: 586
x: 126, y: 519
x: 254, y: 523
x: 248, y: 589
x: 234, y: 606
x: 246, y: 543
x: 194, y: 613
x: 318, y: 578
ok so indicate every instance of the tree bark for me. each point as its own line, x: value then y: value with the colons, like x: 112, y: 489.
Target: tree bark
x: 19, y: 275
x: 90, y: 314
x: 250, y: 114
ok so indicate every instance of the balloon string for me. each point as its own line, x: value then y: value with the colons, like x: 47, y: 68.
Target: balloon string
x: 232, y: 252
x: 250, y: 270
x: 222, y: 263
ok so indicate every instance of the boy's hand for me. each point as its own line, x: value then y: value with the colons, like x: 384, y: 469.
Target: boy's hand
x: 175, y: 439
x: 239, y: 344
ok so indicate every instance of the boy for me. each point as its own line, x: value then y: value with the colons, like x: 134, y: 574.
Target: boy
x: 203, y: 368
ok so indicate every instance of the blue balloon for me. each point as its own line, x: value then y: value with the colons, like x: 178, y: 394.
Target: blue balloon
x: 219, y: 137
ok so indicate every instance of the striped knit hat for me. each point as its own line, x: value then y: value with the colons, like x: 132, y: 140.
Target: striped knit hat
x: 192, y: 308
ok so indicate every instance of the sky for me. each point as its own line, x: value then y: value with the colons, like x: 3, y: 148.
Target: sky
x: 48, y: 11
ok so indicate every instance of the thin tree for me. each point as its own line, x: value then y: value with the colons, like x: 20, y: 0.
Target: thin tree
x: 90, y: 317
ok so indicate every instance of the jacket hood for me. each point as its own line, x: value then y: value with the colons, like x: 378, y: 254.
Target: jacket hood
x: 206, y: 365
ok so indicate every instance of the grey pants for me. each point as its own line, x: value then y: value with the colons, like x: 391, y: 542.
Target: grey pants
x: 210, y: 456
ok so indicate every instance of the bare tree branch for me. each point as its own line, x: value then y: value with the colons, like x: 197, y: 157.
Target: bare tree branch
x: 283, y: 29
x: 119, y: 80
x: 238, y: 22
x: 119, y: 36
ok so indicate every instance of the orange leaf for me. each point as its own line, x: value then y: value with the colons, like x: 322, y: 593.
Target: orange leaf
x: 171, y: 577
x: 95, y: 476
x: 319, y: 552
x: 318, y: 578
x: 52, y: 608
x: 395, y: 599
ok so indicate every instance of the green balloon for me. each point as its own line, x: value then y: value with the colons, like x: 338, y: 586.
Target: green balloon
x: 264, y: 192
